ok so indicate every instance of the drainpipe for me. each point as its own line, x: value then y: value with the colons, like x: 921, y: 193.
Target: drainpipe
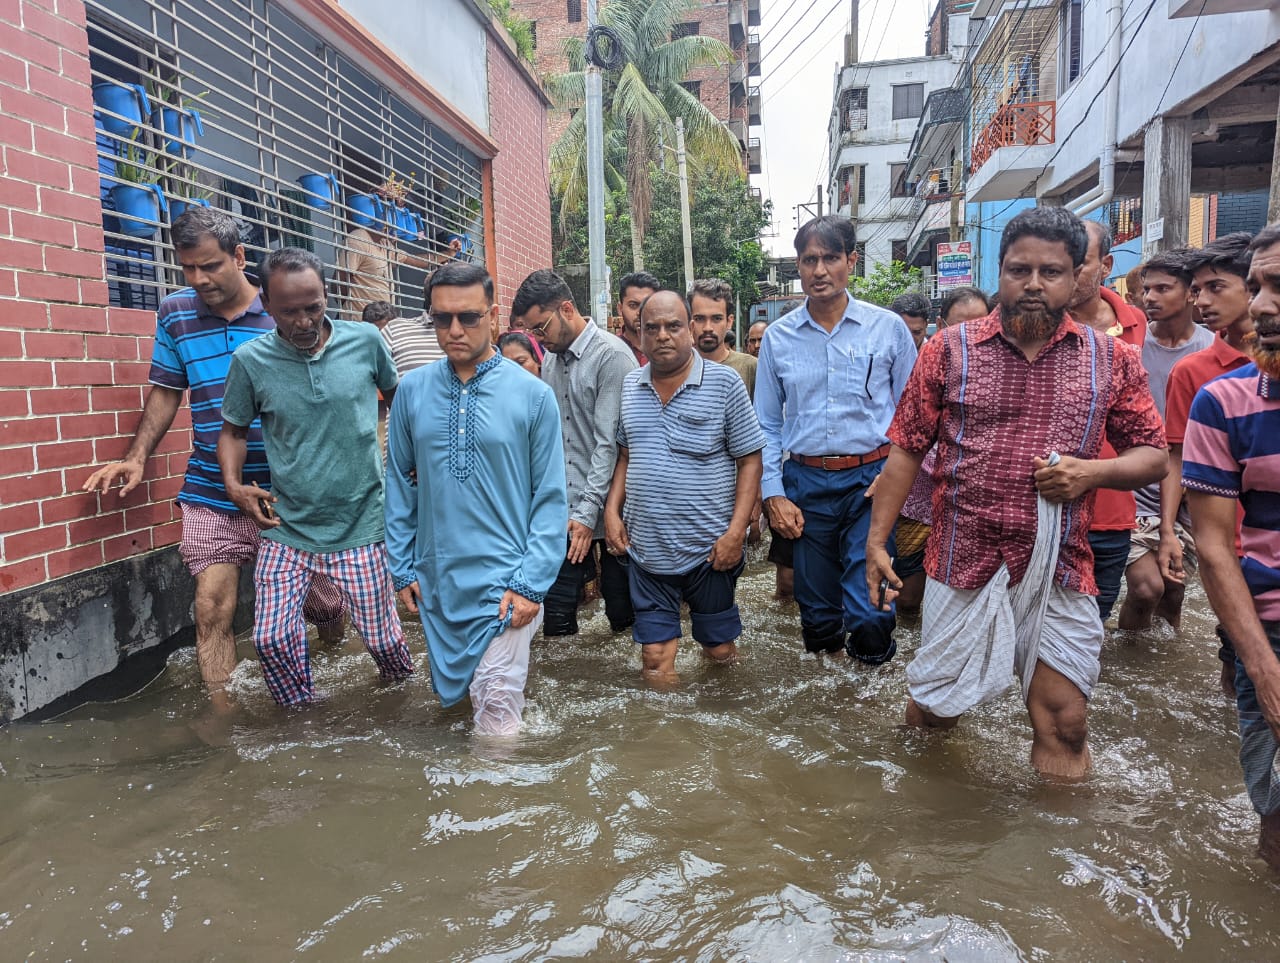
x: 1106, y: 188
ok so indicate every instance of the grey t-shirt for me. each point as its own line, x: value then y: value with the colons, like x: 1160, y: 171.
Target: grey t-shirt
x: 1159, y: 361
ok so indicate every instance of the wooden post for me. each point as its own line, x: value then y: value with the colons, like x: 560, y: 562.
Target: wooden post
x: 1273, y: 204
x: 1166, y: 184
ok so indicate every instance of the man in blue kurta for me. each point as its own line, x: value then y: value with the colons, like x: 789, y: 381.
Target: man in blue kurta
x: 476, y: 504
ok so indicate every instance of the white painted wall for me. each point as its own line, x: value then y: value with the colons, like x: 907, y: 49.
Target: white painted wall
x: 443, y: 41
x: 882, y: 219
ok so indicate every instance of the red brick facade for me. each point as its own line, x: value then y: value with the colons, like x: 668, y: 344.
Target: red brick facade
x: 71, y: 369
x: 521, y: 229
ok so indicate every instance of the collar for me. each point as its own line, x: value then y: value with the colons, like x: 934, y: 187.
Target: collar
x: 1266, y: 387
x: 482, y: 369
x: 990, y: 327
x: 1226, y: 356
x: 579, y: 344
x: 694, y: 377
x: 297, y: 353
x: 806, y: 318
x: 1130, y: 318
x: 255, y: 307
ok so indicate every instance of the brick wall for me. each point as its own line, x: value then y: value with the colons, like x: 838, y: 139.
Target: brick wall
x: 71, y: 369
x: 521, y: 192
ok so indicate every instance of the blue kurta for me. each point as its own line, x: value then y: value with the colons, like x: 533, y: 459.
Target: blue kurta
x: 488, y: 512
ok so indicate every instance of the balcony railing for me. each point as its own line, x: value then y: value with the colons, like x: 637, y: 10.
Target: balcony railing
x: 1015, y: 125
x: 935, y: 185
x: 753, y: 54
x: 754, y: 155
x: 753, y: 13
x: 753, y: 106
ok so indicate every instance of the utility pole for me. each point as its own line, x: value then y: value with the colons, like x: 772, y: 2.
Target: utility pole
x: 685, y: 225
x: 595, y: 185
x: 955, y: 234
x: 820, y: 193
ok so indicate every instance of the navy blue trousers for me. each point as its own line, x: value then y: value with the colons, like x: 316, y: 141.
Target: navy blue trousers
x: 831, y: 566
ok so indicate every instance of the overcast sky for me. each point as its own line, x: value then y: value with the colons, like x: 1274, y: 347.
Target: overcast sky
x: 802, y: 43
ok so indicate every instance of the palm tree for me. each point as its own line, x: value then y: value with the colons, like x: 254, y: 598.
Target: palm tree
x: 642, y: 100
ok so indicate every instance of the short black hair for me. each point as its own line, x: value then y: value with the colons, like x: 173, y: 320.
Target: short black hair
x: 459, y: 274
x: 1174, y: 263
x: 959, y: 296
x: 518, y: 338
x: 288, y: 260
x: 199, y: 222
x: 730, y: 338
x: 1105, y: 238
x: 638, y: 279
x: 713, y: 289
x: 377, y: 311
x: 688, y: 308
x: 542, y: 289
x: 912, y: 303
x: 1229, y: 254
x: 1265, y: 238
x: 1048, y: 224
x: 833, y: 233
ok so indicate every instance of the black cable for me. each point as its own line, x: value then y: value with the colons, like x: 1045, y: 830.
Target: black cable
x: 617, y: 55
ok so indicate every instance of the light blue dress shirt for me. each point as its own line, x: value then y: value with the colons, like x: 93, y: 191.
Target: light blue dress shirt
x: 820, y: 393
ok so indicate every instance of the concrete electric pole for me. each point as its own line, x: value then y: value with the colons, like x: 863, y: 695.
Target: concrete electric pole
x: 685, y: 224
x: 595, y: 184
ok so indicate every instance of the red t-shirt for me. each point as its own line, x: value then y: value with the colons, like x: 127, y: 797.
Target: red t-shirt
x: 1190, y: 375
x: 1113, y: 510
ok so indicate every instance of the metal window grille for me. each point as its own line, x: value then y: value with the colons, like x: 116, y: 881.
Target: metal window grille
x: 1071, y: 13
x: 898, y: 181
x: 574, y: 10
x: 860, y: 265
x: 853, y: 110
x: 853, y: 182
x: 1016, y: 63
x: 908, y: 101
x: 276, y: 104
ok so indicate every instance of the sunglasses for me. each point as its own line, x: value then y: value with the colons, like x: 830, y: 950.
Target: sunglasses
x: 541, y: 329
x: 468, y: 319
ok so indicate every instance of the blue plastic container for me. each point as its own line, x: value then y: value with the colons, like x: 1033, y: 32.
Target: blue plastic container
x: 320, y: 188
x: 180, y: 205
x: 139, y: 208
x: 182, y: 126
x: 408, y: 224
x: 464, y: 251
x: 367, y: 210
x: 128, y: 100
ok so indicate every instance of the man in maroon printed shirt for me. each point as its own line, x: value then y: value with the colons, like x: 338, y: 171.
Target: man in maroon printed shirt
x: 1010, y: 571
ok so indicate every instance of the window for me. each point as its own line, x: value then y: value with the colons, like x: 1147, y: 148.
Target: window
x: 853, y: 110
x: 898, y: 181
x: 860, y: 265
x: 1071, y: 10
x: 691, y: 29
x: 693, y: 86
x: 851, y: 182
x: 293, y: 146
x: 575, y: 11
x: 908, y: 101
x: 533, y: 34
x: 898, y: 251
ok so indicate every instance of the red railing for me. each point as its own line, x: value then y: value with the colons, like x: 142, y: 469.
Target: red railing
x: 1015, y: 125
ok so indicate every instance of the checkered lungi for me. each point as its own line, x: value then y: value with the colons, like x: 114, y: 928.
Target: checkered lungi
x: 282, y: 577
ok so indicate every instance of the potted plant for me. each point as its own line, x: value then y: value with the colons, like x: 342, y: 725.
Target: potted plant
x: 137, y: 198
x: 178, y: 117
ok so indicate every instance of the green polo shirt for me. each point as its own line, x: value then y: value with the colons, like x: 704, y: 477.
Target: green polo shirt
x: 320, y: 427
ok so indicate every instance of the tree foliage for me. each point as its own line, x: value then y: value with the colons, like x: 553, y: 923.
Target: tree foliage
x: 886, y: 282
x: 519, y: 28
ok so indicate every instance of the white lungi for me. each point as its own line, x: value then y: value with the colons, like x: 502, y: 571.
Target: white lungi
x: 973, y: 641
x: 497, y: 688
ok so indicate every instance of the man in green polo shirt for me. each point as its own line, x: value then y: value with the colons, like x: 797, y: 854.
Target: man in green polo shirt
x: 312, y: 382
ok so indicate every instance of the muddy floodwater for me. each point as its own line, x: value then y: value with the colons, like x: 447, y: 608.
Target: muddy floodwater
x: 771, y: 811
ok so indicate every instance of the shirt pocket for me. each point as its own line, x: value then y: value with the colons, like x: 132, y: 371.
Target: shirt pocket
x: 865, y: 374
x: 698, y: 436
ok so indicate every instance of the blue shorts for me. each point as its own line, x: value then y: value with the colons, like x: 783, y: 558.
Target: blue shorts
x: 1257, y: 742
x: 709, y: 594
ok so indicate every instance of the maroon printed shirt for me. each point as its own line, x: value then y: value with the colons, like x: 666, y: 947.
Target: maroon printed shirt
x: 991, y: 411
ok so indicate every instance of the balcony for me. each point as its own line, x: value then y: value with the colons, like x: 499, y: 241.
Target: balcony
x: 737, y: 23
x: 738, y: 128
x: 756, y: 194
x: 753, y: 106
x: 933, y: 224
x: 753, y: 55
x: 941, y: 127
x: 753, y: 13
x: 753, y: 156
x: 738, y: 79
x: 1201, y: 8
x: 997, y: 173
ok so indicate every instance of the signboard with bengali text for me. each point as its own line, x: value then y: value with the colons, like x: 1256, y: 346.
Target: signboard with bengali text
x: 955, y: 264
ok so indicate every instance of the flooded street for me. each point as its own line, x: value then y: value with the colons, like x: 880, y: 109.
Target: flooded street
x: 772, y: 811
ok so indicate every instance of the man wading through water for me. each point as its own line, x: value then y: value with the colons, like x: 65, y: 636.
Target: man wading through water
x: 1010, y: 571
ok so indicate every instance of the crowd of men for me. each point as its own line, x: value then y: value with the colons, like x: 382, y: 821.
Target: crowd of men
x: 1003, y: 476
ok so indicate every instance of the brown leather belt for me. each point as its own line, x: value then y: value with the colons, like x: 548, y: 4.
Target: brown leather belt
x: 842, y: 462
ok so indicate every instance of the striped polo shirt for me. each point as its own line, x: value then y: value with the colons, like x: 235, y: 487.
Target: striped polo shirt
x: 681, y: 470
x: 1232, y: 449
x: 192, y: 351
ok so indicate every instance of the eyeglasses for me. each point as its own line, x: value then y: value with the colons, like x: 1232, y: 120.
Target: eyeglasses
x: 541, y: 329
x: 468, y: 319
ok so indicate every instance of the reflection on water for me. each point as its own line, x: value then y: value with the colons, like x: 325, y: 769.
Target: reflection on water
x: 770, y: 811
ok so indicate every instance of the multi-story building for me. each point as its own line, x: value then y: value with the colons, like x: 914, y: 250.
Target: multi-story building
x: 876, y: 108
x: 305, y: 108
x: 730, y: 91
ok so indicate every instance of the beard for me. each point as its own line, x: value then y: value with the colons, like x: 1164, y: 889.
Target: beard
x: 1031, y: 324
x: 1266, y: 357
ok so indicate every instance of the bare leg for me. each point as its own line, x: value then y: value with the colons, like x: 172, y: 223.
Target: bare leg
x: 1228, y: 680
x: 911, y: 594
x: 216, y: 588
x: 785, y: 583
x: 1059, y: 747
x: 1143, y: 592
x: 1170, y: 605
x: 725, y: 654
x: 923, y: 719
x: 1269, y: 840
x: 658, y: 663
